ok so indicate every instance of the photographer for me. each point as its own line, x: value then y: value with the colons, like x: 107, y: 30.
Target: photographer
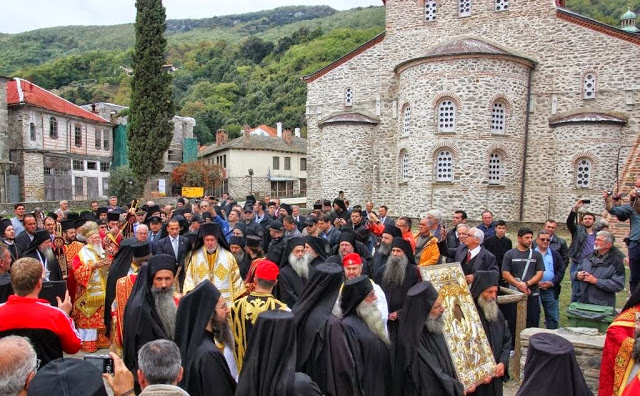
x: 583, y: 238
x: 629, y: 211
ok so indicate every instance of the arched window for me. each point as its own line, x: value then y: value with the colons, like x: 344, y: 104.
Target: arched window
x: 32, y: 132
x: 53, y: 128
x: 444, y: 165
x: 589, y: 86
x: 495, y: 168
x: 406, y: 121
x: 404, y: 166
x: 430, y: 8
x: 348, y: 97
x: 447, y: 115
x: 502, y: 5
x: 583, y: 173
x: 464, y: 8
x: 498, y: 115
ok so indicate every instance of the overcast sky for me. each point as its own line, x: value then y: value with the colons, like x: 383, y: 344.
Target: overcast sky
x: 21, y: 16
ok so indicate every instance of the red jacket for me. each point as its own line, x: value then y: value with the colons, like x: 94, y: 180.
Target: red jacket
x: 37, y: 314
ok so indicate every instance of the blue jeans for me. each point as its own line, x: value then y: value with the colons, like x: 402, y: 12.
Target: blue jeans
x: 575, y: 284
x: 550, y: 306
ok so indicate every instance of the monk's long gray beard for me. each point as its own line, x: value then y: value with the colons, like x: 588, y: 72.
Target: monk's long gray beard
x: 395, y: 270
x: 48, y: 254
x: 300, y: 265
x: 166, y: 309
x: 435, y: 324
x: 384, y: 248
x: 370, y: 314
x: 239, y: 257
x: 489, y: 307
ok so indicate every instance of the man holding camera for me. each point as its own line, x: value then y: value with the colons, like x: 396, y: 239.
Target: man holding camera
x: 629, y: 211
x: 583, y: 238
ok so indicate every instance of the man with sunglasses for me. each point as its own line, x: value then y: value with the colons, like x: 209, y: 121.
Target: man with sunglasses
x: 549, y: 285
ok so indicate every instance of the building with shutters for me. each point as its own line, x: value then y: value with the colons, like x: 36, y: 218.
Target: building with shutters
x: 520, y: 107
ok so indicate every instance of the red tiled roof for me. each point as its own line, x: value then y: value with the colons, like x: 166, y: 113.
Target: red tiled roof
x: 33, y: 95
x: 271, y: 131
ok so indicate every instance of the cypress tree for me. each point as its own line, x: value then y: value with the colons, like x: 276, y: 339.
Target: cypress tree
x: 151, y: 130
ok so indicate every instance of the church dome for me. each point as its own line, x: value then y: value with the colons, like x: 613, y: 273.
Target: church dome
x: 628, y: 15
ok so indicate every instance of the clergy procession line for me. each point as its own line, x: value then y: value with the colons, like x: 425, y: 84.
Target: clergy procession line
x: 211, y: 297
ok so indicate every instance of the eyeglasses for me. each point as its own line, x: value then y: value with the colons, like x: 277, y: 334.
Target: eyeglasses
x: 544, y: 239
x: 38, y: 361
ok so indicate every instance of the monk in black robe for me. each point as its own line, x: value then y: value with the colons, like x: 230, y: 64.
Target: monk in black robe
x: 322, y: 348
x: 423, y: 365
x: 367, y: 337
x: 203, y: 334
x: 484, y: 291
x: 119, y: 267
x: 294, y: 272
x: 383, y: 251
x: 317, y: 249
x: 395, y: 278
x: 142, y: 321
x: 270, y: 363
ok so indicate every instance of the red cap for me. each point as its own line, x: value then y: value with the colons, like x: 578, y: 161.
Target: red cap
x: 351, y: 259
x: 267, y: 270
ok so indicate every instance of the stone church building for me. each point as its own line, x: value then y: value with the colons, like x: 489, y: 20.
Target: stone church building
x: 517, y: 106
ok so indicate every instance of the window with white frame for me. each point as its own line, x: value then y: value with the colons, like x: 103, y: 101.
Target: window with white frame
x: 98, y: 139
x: 348, y: 97
x: 444, y: 165
x: 495, y: 168
x: 430, y: 8
x: 404, y: 166
x: 406, y: 121
x: 53, y: 128
x: 498, y: 114
x: 464, y: 8
x: 583, y: 173
x: 446, y: 115
x: 589, y: 86
x: 502, y: 5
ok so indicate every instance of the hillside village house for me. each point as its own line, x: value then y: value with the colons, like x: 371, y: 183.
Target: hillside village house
x: 260, y: 162
x: 58, y: 149
x: 521, y: 107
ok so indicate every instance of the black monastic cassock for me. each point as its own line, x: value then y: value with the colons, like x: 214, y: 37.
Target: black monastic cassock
x: 396, y: 294
x: 423, y: 365
x: 290, y: 284
x: 205, y: 367
x: 270, y: 364
x: 322, y: 347
x: 119, y: 268
x: 371, y: 355
x: 141, y: 321
x: 50, y: 263
x: 497, y: 333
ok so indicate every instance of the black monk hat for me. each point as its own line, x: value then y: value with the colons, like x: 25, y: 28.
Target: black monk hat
x: 113, y: 216
x: 236, y: 240
x: 69, y: 377
x: 406, y: 248
x: 354, y: 291
x: 140, y: 249
x: 68, y: 225
x: 253, y: 241
x: 392, y: 230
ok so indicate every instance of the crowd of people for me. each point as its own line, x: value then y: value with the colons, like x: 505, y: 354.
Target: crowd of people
x: 259, y: 299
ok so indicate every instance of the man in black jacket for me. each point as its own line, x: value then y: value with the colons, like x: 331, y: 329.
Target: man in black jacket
x: 583, y: 238
x: 459, y: 217
x: 499, y: 244
x: 549, y: 285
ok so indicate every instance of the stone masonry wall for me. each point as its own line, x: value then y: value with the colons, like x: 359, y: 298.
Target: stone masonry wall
x: 32, y: 176
x: 563, y: 52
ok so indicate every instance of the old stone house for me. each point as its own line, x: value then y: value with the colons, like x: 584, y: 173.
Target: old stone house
x: 521, y: 107
x: 57, y: 150
x: 260, y: 163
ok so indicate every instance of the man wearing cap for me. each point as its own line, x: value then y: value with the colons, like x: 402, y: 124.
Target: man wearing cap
x: 155, y: 229
x: 40, y: 249
x: 484, y: 291
x: 398, y: 275
x: 151, y: 308
x: 294, y: 272
x: 211, y: 259
x: 366, y: 335
x: 310, y: 227
x: 237, y: 248
x: 141, y: 214
x: 124, y: 286
x: 90, y: 267
x: 256, y: 254
x: 113, y: 227
x: 245, y: 311
x: 7, y: 238
x: 277, y: 243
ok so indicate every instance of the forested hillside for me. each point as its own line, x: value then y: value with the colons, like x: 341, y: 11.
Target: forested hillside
x: 232, y: 70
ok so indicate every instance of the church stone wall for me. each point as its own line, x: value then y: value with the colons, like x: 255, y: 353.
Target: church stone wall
x: 563, y: 52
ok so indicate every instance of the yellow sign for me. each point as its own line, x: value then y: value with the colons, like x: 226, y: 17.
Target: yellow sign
x: 193, y: 192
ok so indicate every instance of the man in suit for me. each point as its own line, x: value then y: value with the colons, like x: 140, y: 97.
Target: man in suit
x: 155, y: 230
x: 295, y: 209
x: 384, y: 219
x: 471, y: 255
x: 175, y: 245
x: 23, y: 240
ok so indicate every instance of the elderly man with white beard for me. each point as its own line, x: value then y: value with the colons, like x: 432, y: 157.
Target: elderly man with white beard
x: 366, y: 335
x: 484, y: 291
x: 294, y: 273
x: 396, y: 278
x: 40, y: 249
